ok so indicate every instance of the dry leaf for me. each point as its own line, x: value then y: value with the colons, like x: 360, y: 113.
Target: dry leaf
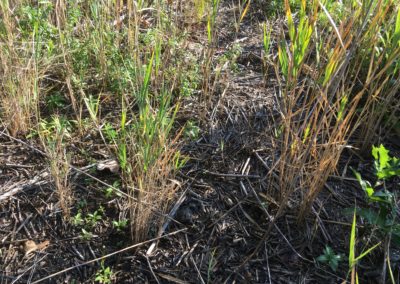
x: 111, y: 165
x: 30, y: 246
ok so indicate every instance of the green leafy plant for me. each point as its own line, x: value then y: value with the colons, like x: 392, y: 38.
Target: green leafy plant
x: 92, y: 104
x: 55, y: 101
x: 385, y: 166
x: 104, y: 274
x: 110, y: 132
x: 120, y: 225
x: 383, y: 214
x: 86, y: 235
x: 329, y: 257
x: 228, y: 59
x: 91, y: 219
x: 109, y: 192
x: 82, y: 203
x: 191, y: 130
x: 88, y: 221
x: 77, y: 220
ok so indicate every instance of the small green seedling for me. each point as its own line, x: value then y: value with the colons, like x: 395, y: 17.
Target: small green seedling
x: 86, y: 235
x: 55, y: 101
x: 329, y: 257
x: 82, y: 204
x: 120, y: 225
x: 266, y: 40
x: 110, y: 132
x: 109, y: 192
x: 92, y: 104
x: 104, y: 274
x: 91, y: 219
x: 191, y: 130
x: 77, y: 220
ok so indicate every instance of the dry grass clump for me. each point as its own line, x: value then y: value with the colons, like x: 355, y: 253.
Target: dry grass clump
x: 153, y: 194
x: 333, y: 79
x: 18, y: 75
x: 53, y: 135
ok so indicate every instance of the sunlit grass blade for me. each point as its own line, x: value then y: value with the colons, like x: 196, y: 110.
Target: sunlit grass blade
x: 352, y: 246
x: 290, y: 21
x: 146, y: 81
x: 245, y: 10
x: 358, y: 258
x: 266, y: 39
x: 396, y: 35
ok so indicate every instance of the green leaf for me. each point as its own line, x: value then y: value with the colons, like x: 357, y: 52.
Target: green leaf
x: 322, y: 258
x: 266, y: 39
x: 343, y: 103
x: 383, y: 196
x: 330, y: 258
x: 334, y: 264
x: 283, y: 59
x: 290, y: 21
x: 396, y: 237
x: 393, y: 171
x: 306, y: 132
x: 365, y: 185
x: 352, y: 242
x: 328, y: 251
x: 396, y: 36
x: 381, y: 154
x: 385, y: 165
x: 369, y: 214
x: 366, y: 252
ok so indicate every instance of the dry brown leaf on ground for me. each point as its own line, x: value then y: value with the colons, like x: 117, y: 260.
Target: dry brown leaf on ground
x: 30, y: 246
x: 111, y: 165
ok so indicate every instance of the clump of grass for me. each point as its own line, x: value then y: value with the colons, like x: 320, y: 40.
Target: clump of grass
x: 19, y: 72
x: 207, y: 86
x: 53, y: 135
x: 144, y: 141
x: 83, y: 50
x: 381, y: 110
x: 324, y: 87
x: 149, y: 157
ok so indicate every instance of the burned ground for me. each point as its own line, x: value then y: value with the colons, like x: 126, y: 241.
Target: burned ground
x: 221, y: 228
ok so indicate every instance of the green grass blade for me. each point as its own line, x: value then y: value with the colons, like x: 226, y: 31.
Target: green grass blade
x: 396, y: 36
x: 266, y: 39
x: 366, y: 252
x: 146, y: 81
x: 352, y: 242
